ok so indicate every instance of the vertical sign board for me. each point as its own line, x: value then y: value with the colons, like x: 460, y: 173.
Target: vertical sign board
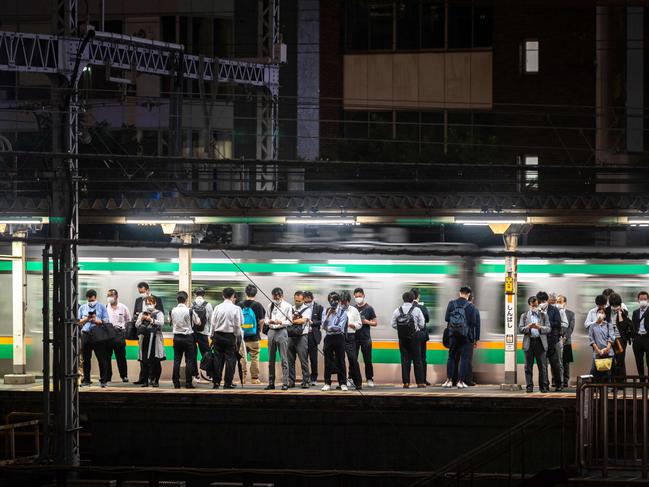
x: 510, y: 320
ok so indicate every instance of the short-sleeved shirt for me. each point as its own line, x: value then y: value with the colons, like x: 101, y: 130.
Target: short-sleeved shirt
x: 260, y: 314
x: 367, y: 313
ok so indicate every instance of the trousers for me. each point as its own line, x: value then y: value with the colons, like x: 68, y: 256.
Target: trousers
x: 334, y: 353
x: 184, y: 346
x: 278, y: 340
x: 298, y: 347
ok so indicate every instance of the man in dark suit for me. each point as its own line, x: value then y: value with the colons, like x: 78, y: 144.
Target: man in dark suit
x: 555, y: 344
x: 640, y: 319
x: 144, y: 291
x: 562, y: 304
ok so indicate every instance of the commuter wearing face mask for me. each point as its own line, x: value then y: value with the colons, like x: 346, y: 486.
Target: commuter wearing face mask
x: 279, y: 316
x: 314, y: 336
x: 641, y: 333
x: 555, y: 344
x: 298, y: 345
x: 92, y: 314
x: 535, y: 326
x: 353, y: 325
x: 601, y: 336
x: 334, y: 323
x: 151, y: 349
x: 562, y: 304
x: 600, y: 304
x: 623, y: 327
x: 364, y: 336
x: 118, y: 315
x: 144, y: 292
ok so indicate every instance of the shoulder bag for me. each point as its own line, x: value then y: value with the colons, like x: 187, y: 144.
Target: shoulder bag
x: 295, y: 331
x: 102, y: 333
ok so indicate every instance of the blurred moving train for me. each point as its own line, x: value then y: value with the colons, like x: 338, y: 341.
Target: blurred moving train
x: 384, y: 278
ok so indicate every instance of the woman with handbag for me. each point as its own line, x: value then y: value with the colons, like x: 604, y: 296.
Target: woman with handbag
x: 151, y: 350
x: 601, y: 336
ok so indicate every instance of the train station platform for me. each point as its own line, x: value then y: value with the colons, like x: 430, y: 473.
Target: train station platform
x: 383, y: 428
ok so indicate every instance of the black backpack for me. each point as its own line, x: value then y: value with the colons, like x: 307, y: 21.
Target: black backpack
x: 201, y: 312
x: 406, y: 327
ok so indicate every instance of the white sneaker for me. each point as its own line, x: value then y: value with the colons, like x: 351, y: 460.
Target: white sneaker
x: 448, y: 383
x: 370, y: 383
x: 326, y: 387
x: 350, y: 383
x: 344, y: 388
x: 461, y: 385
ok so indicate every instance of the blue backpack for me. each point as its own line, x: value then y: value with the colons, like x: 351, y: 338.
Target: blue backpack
x: 249, y: 322
x: 457, y: 325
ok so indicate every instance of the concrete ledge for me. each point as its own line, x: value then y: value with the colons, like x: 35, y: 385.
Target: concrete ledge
x: 14, y: 379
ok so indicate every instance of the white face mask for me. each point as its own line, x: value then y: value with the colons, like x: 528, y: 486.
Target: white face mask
x: 543, y: 306
x: 359, y: 300
x: 92, y: 304
x: 277, y: 301
x: 199, y: 300
x: 110, y: 299
x: 534, y: 309
x: 643, y: 303
x: 143, y: 295
x: 149, y: 308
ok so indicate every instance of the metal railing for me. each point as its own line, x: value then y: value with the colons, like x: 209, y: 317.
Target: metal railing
x: 612, y: 424
x: 10, y: 431
x: 510, y: 445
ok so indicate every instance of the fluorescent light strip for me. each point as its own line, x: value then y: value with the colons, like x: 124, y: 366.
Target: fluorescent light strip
x: 143, y: 221
x: 21, y: 222
x: 519, y: 221
x: 321, y: 221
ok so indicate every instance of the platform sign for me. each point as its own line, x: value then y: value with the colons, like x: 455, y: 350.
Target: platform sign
x: 509, y: 285
x: 510, y: 323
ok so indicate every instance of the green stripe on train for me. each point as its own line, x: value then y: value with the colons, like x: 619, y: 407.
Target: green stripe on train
x: 256, y: 267
x: 597, y: 269
x: 379, y: 355
x: 337, y: 269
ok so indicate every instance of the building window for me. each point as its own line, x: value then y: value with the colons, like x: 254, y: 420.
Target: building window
x: 531, y: 56
x: 530, y: 178
x: 410, y: 25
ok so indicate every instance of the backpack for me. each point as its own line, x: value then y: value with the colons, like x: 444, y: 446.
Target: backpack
x: 201, y: 312
x: 406, y: 327
x: 249, y: 324
x: 457, y: 325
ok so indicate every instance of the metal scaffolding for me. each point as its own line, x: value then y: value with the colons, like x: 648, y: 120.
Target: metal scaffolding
x: 64, y: 56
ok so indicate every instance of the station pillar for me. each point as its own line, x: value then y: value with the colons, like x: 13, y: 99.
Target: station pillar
x: 510, y: 238
x: 19, y: 306
x: 185, y: 265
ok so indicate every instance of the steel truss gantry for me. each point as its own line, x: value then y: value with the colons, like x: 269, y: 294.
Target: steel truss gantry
x: 64, y: 56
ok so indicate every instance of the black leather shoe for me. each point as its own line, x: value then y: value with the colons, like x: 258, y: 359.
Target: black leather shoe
x: 215, y: 386
x: 155, y: 384
x: 144, y: 384
x: 305, y: 386
x: 545, y: 391
x: 124, y: 380
x: 558, y: 389
x: 190, y: 386
x: 138, y: 382
x: 176, y: 386
x: 229, y: 386
x: 269, y: 387
x: 285, y: 388
x: 529, y: 390
x: 428, y: 383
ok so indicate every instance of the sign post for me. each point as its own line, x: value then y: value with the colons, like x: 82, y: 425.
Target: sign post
x: 511, y: 318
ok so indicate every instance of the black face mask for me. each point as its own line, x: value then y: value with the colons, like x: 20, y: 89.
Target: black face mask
x: 333, y: 303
